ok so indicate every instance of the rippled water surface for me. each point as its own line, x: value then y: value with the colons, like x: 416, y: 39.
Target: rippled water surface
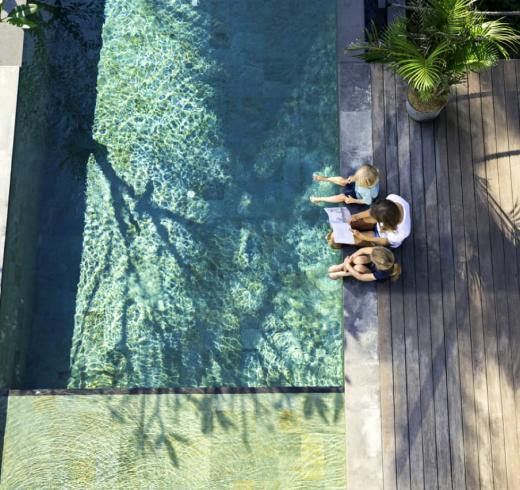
x: 188, y: 442
x: 176, y: 241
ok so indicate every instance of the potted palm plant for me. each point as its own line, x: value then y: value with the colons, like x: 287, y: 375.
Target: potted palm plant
x: 435, y: 46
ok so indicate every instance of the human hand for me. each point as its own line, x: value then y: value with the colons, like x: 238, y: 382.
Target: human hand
x: 350, y: 179
x: 358, y: 235
x: 350, y: 200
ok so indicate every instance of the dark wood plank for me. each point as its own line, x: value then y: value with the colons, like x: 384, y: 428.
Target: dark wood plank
x: 508, y: 137
x: 378, y: 123
x: 411, y: 341
x: 513, y: 131
x: 448, y: 303
x: 436, y: 311
x: 515, y: 177
x: 423, y: 308
x: 514, y: 148
x: 449, y: 329
x: 472, y: 476
x: 484, y: 283
x: 475, y: 310
x: 402, y: 448
x: 383, y: 293
x: 488, y: 170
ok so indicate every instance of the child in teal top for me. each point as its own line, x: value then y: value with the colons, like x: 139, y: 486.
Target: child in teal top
x: 360, y: 188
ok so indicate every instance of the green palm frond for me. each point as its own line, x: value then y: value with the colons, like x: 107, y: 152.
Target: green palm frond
x: 423, y: 73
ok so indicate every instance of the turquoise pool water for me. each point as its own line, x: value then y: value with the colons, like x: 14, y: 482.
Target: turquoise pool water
x: 200, y: 261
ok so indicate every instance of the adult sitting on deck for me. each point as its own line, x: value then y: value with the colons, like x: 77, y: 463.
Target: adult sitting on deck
x: 386, y: 223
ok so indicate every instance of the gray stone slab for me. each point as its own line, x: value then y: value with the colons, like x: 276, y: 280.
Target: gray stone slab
x: 356, y: 130
x: 360, y: 324
x: 363, y: 430
x: 354, y: 87
x: 8, y: 97
x: 351, y: 27
x: 11, y: 41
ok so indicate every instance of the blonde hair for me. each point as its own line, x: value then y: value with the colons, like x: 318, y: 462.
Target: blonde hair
x: 367, y: 175
x: 384, y: 260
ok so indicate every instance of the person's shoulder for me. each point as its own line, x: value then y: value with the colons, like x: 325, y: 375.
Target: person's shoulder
x: 399, y: 199
x: 396, y: 197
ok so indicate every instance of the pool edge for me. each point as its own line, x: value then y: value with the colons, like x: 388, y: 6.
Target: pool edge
x: 364, y: 460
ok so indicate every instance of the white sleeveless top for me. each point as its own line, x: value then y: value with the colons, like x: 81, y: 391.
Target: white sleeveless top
x: 395, y: 238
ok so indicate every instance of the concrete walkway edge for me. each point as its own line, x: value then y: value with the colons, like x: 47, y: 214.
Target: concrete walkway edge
x: 361, y: 357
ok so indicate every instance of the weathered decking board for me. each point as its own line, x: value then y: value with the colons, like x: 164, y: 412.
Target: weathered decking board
x: 450, y: 326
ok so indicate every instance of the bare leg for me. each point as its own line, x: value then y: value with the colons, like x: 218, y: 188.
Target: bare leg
x: 362, y: 260
x: 337, y: 275
x: 336, y: 268
x: 363, y: 223
x: 362, y: 215
x: 333, y: 199
x: 332, y: 243
x: 362, y: 269
x: 333, y: 180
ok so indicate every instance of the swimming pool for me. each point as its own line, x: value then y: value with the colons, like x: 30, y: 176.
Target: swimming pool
x: 174, y: 241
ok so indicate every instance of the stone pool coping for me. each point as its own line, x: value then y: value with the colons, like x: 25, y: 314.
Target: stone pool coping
x: 361, y: 358
x: 11, y: 40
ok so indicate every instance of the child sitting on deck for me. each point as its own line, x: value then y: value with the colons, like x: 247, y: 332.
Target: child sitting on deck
x: 360, y: 188
x: 368, y: 264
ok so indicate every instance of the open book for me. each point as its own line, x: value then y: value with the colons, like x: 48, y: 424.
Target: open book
x: 339, y: 219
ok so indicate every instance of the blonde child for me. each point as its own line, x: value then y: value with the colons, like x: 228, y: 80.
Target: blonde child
x: 360, y: 188
x: 368, y: 264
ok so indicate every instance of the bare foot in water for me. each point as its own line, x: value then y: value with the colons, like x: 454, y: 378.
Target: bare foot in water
x: 319, y: 178
x: 314, y: 199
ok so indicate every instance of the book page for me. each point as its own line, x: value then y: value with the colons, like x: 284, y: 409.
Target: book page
x: 339, y: 219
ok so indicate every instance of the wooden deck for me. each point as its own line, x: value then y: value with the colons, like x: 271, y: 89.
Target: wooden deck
x: 449, y: 328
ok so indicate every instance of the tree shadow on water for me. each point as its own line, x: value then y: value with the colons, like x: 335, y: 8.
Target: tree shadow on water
x: 173, y: 425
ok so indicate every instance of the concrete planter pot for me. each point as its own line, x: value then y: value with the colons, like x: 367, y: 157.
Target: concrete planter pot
x: 421, y: 116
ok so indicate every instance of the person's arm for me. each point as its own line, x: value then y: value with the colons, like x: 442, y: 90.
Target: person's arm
x: 358, y: 275
x: 360, y: 216
x: 362, y: 251
x: 362, y: 237
x: 353, y: 200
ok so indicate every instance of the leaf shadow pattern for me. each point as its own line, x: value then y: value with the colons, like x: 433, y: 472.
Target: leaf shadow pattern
x: 166, y: 424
